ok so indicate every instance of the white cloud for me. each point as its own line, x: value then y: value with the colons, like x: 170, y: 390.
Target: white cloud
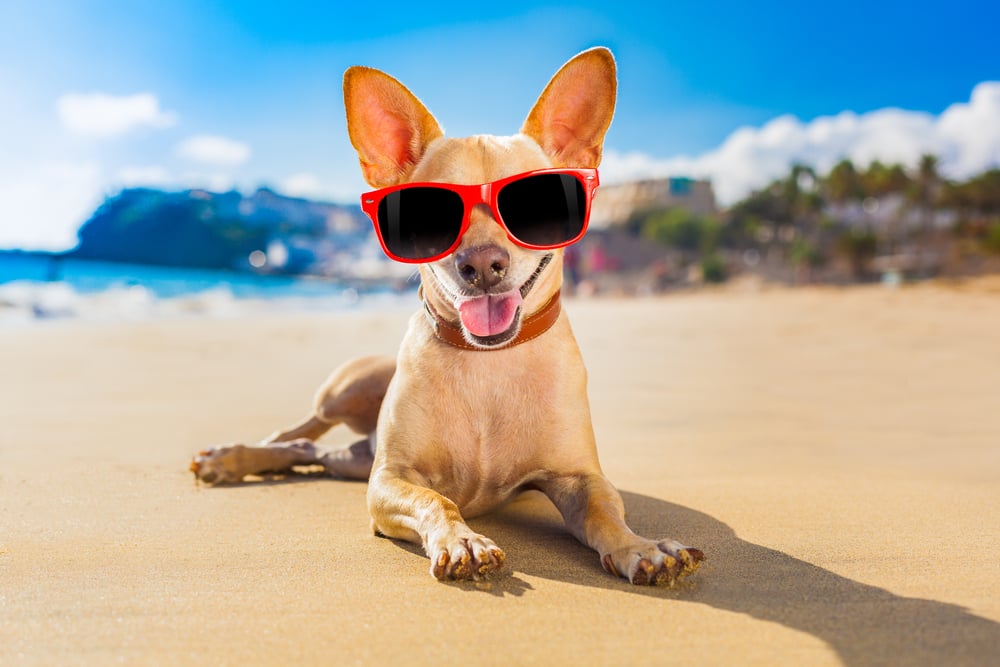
x: 213, y: 182
x: 303, y: 184
x: 966, y: 138
x: 975, y: 128
x: 34, y: 217
x: 102, y: 115
x: 147, y: 176
x: 158, y: 176
x: 214, y: 150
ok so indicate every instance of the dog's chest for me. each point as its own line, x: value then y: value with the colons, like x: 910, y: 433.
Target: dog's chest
x: 489, y: 427
x: 498, y: 422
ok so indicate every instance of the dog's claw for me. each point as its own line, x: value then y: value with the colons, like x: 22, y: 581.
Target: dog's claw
x: 498, y: 557
x: 461, y: 569
x: 470, y: 559
x: 440, y: 569
x: 645, y: 573
x: 653, y: 563
x: 691, y: 558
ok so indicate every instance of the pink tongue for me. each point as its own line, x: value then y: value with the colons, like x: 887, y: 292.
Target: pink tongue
x: 490, y: 314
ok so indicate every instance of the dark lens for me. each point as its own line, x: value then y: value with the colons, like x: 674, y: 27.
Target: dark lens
x: 545, y: 209
x: 419, y: 223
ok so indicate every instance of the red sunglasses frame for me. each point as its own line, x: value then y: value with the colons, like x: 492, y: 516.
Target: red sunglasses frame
x: 473, y: 195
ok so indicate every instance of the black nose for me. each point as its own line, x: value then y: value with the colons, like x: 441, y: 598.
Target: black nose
x: 482, y: 267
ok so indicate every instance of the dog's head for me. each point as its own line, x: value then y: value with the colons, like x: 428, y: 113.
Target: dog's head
x: 487, y: 283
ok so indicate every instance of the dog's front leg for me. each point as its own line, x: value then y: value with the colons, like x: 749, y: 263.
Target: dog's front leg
x: 595, y: 515
x: 403, y: 510
x: 229, y: 465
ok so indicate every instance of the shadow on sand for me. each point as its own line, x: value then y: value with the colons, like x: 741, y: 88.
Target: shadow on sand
x: 864, y: 624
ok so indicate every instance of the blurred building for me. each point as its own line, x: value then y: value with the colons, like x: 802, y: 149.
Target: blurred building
x: 617, y: 203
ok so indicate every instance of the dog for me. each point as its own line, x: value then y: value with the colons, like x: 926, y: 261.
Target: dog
x: 487, y: 395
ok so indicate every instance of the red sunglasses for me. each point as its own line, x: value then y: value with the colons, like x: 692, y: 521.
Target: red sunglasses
x: 539, y: 210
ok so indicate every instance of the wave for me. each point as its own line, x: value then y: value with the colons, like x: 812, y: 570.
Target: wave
x: 28, y: 301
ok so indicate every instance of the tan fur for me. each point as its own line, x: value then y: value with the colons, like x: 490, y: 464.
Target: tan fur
x: 460, y: 432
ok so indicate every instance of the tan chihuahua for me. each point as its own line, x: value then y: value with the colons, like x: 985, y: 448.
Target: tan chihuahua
x: 487, y: 397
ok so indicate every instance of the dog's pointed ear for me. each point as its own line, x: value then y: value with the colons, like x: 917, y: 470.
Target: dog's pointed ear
x: 388, y: 126
x: 574, y: 112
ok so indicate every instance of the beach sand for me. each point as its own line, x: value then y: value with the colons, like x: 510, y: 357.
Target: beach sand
x: 835, y: 453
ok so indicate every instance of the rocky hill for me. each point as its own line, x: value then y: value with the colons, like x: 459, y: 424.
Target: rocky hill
x: 264, y: 232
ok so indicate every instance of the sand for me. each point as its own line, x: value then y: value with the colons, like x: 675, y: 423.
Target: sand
x: 835, y: 452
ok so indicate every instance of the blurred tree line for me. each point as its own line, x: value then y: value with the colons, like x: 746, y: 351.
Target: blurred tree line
x: 849, y: 224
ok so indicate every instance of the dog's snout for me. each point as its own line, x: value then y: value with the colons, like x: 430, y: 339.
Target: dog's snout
x: 482, y: 267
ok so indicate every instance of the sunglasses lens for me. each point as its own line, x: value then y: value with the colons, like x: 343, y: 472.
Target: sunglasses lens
x: 420, y: 223
x: 545, y: 209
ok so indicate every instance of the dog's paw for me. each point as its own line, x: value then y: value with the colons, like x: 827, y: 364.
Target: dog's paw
x: 651, y: 563
x: 465, y: 558
x: 219, y: 465
x: 229, y: 465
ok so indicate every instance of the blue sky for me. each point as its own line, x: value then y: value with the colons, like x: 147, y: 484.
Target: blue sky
x: 100, y: 94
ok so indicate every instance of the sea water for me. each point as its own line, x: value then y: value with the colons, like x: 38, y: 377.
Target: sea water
x: 36, y: 286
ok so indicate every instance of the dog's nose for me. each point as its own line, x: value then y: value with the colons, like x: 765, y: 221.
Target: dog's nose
x: 482, y: 267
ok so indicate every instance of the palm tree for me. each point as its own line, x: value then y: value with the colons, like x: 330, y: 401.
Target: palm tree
x: 924, y: 194
x: 843, y: 183
x: 928, y: 180
x: 859, y: 247
x: 925, y: 188
x: 882, y: 179
x: 801, y: 192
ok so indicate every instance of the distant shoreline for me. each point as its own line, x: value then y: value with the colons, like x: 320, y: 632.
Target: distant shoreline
x: 44, y: 286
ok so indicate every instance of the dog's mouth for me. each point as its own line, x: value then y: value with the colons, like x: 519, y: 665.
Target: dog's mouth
x: 494, y: 319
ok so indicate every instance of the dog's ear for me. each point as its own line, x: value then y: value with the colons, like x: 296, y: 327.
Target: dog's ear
x: 388, y: 126
x: 572, y: 115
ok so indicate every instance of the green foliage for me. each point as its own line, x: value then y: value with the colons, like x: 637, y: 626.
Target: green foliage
x: 713, y: 269
x: 691, y: 234
x: 859, y: 247
x: 846, y: 183
x: 925, y: 187
x: 843, y: 183
x: 858, y: 242
x: 796, y: 212
x: 992, y: 238
x: 804, y: 253
x: 979, y: 194
x: 766, y: 204
x: 827, y: 224
x: 681, y: 229
x: 880, y: 180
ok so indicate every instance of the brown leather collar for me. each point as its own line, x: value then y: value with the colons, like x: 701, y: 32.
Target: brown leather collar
x: 532, y: 326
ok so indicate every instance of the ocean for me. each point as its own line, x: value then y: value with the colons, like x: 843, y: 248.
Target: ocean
x: 40, y: 287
